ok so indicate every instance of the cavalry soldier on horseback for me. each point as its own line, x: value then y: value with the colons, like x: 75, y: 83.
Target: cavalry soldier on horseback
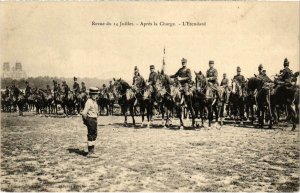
x: 110, y: 87
x: 65, y: 88
x: 238, y: 77
x: 48, y: 90
x: 137, y: 80
x: 152, y: 76
x: 286, y: 74
x: 55, y: 88
x: 224, y: 81
x: 27, y: 89
x: 6, y: 91
x: 83, y: 87
x: 183, y: 74
x: 212, y: 74
x: 76, y: 88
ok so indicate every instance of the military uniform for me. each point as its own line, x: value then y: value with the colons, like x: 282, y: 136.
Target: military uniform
x: 286, y: 75
x: 83, y: 88
x: 224, y: 82
x: 48, y: 90
x: 138, y: 81
x: 76, y: 88
x: 183, y: 72
x: 240, y: 79
x: 152, y: 78
x: 7, y: 91
x: 65, y: 89
x: 212, y: 74
x: 27, y: 91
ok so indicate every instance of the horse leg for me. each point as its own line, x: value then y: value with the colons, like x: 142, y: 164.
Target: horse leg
x: 292, y: 114
x: 181, y: 116
x: 132, y: 114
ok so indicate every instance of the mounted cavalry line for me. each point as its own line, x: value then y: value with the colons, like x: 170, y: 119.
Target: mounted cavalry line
x: 254, y: 100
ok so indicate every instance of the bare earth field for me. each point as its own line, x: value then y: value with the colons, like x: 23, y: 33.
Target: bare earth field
x: 45, y: 154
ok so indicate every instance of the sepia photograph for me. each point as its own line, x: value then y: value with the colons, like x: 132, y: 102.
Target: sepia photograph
x: 150, y: 96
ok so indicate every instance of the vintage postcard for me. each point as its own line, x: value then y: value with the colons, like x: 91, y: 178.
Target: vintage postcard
x: 159, y: 96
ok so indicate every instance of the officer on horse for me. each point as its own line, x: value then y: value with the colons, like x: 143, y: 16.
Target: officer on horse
x: 65, y: 88
x: 286, y: 74
x: 83, y: 88
x: 212, y: 77
x: 27, y: 90
x: 238, y: 77
x: 76, y: 88
x: 183, y: 74
x: 138, y: 80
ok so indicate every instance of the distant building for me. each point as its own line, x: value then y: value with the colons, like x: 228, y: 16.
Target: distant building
x: 16, y: 72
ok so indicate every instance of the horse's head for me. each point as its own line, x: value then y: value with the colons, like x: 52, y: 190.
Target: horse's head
x: 120, y: 87
x: 175, y: 92
x: 235, y: 86
x: 254, y: 84
x: 148, y: 92
x: 201, y: 81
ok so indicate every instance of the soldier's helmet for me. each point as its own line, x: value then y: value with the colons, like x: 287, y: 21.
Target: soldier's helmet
x: 211, y: 62
x: 82, y: 83
x: 75, y: 78
x: 26, y: 82
x: 238, y: 69
x: 152, y: 67
x: 260, y: 67
x: 104, y: 85
x: 136, y: 69
x: 286, y: 62
x: 183, y: 61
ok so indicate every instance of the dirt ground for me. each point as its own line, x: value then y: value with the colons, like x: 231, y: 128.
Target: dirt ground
x: 46, y: 154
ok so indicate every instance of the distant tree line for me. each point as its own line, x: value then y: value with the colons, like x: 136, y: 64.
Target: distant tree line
x: 43, y: 81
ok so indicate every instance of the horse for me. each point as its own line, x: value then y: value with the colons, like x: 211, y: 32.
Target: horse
x: 209, y: 98
x: 6, y: 102
x: 59, y: 100
x: 175, y: 100
x: 126, y: 98
x: 21, y: 101
x: 165, y: 104
x: 70, y: 103
x: 40, y: 102
x: 237, y: 100
x: 286, y: 96
x: 148, y: 104
x: 199, y: 96
x: 81, y: 99
x: 250, y: 104
x: 263, y: 99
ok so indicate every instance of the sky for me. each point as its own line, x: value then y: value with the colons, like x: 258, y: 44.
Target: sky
x: 58, y: 39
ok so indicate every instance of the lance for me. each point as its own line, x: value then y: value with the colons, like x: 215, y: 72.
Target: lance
x: 164, y: 63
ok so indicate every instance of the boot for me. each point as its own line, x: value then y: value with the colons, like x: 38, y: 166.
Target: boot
x: 91, y: 149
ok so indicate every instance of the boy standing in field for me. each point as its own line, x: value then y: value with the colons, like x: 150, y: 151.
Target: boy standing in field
x: 89, y: 116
